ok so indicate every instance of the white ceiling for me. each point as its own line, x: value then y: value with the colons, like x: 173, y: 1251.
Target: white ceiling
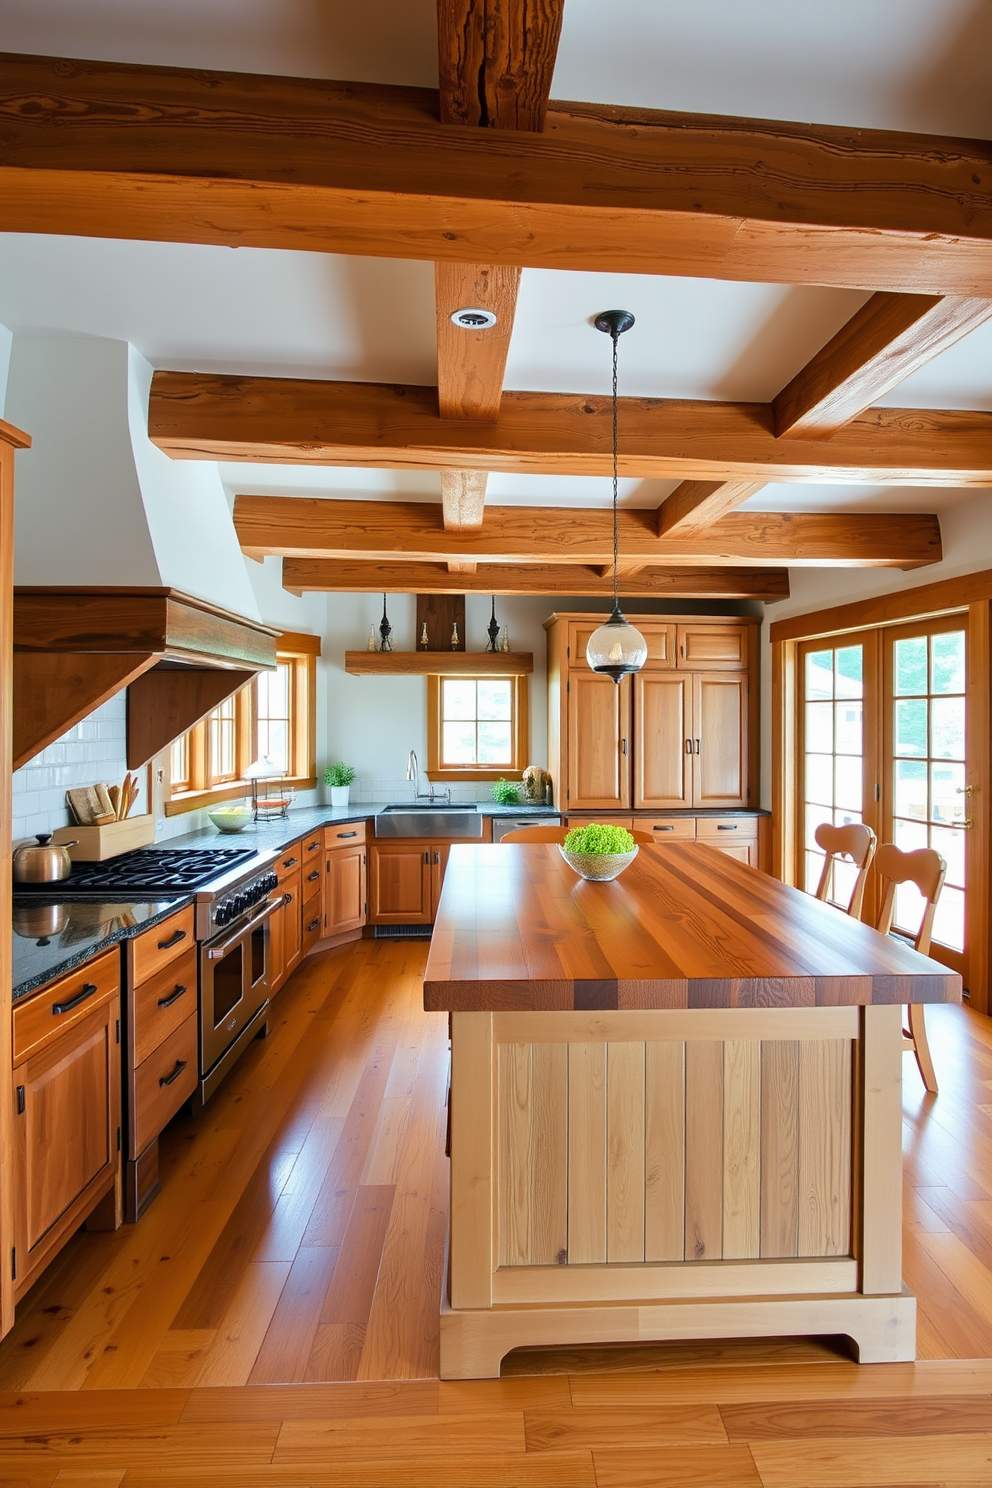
x: 905, y: 64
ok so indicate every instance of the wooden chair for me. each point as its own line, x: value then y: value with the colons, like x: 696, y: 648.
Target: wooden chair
x: 854, y: 842
x: 925, y: 868
x: 558, y: 834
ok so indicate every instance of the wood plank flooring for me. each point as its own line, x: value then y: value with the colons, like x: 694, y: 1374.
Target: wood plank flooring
x: 295, y: 1254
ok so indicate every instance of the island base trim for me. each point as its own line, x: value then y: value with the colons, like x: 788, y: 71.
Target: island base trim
x: 646, y: 1283
x: 474, y: 1343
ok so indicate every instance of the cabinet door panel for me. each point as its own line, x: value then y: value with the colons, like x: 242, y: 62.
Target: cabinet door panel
x: 344, y: 889
x: 715, y: 648
x: 598, y: 746
x: 719, y: 732
x: 401, y: 881
x: 67, y: 1131
x: 662, y: 730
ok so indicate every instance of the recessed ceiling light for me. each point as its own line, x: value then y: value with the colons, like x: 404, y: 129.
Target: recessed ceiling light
x: 473, y: 319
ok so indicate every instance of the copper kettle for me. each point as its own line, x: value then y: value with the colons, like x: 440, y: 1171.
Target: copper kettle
x: 47, y: 863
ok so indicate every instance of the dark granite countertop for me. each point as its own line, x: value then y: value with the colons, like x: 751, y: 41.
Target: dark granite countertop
x: 87, y: 928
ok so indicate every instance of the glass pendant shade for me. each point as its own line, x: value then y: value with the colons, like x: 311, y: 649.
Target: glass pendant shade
x: 616, y: 648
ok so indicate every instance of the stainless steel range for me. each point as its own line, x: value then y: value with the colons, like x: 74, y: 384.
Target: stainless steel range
x: 234, y: 895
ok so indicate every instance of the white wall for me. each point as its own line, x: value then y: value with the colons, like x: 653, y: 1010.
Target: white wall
x: 966, y: 540
x: 6, y: 346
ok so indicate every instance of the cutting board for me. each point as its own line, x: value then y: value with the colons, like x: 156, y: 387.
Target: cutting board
x: 87, y: 804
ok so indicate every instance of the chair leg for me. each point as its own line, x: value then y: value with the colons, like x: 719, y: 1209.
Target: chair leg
x: 918, y: 1030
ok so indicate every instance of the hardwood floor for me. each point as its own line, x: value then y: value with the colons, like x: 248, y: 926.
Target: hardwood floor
x: 296, y: 1252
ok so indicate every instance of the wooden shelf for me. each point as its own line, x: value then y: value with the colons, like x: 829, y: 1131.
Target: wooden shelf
x: 438, y: 663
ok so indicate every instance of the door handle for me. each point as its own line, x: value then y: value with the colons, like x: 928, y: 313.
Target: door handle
x: 437, y: 857
x: 343, y: 835
x: 165, y: 1002
x: 661, y: 827
x: 624, y: 743
x: 313, y: 924
x: 688, y: 746
x: 427, y: 858
x: 288, y: 862
x: 173, y: 939
x: 88, y: 988
x: 168, y: 1079
x: 697, y: 746
x: 726, y: 827
x: 312, y: 877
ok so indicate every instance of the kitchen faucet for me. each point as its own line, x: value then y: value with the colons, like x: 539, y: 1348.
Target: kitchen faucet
x: 413, y: 773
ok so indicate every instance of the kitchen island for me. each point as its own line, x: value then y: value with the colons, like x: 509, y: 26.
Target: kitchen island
x: 675, y: 1107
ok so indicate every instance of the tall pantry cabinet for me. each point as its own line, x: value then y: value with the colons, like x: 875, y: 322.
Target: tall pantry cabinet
x: 678, y: 735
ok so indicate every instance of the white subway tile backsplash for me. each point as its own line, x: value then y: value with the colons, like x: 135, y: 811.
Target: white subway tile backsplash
x: 92, y: 750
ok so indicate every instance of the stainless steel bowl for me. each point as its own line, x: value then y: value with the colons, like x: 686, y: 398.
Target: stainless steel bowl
x: 48, y: 862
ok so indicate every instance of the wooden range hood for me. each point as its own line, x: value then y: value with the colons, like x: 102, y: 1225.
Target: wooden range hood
x: 177, y: 656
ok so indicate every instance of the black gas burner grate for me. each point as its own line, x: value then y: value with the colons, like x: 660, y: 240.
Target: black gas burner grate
x: 152, y: 871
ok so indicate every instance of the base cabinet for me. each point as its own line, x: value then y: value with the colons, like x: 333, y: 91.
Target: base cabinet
x: 737, y: 836
x: 67, y: 1123
x: 344, y: 889
x: 285, y: 950
x: 405, y: 880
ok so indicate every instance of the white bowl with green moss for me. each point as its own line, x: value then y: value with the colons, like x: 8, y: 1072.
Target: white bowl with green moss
x: 599, y: 852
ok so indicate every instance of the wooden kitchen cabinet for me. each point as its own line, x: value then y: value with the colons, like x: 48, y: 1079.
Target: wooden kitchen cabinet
x: 344, y: 889
x: 285, y: 928
x: 401, y: 883
x: 67, y: 1124
x: 676, y: 735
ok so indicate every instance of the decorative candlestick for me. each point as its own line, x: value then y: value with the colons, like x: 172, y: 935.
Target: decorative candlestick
x: 454, y: 636
x: 385, y: 629
x: 493, y: 630
x: 504, y: 644
x: 424, y: 639
x: 370, y: 644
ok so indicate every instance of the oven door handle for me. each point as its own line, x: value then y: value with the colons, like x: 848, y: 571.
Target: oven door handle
x: 214, y: 953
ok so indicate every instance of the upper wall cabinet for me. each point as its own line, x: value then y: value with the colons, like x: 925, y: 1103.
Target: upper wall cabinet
x: 677, y: 735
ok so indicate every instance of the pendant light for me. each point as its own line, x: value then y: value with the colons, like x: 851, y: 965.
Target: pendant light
x: 616, y: 648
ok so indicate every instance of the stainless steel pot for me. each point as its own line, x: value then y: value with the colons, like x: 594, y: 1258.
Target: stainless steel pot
x: 47, y: 863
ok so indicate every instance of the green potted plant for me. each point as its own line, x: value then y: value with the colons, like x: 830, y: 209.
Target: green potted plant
x: 599, y: 851
x: 339, y: 777
x: 505, y: 793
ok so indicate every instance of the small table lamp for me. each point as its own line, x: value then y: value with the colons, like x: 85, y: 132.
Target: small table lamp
x: 261, y: 773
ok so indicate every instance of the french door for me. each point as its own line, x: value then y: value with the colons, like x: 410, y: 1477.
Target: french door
x: 881, y: 737
x: 925, y: 793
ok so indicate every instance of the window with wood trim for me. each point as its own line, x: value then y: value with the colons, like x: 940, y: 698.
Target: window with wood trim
x: 273, y: 716
x: 476, y: 727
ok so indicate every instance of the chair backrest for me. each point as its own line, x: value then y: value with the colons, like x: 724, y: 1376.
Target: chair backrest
x: 925, y: 868
x: 854, y: 841
x: 535, y: 834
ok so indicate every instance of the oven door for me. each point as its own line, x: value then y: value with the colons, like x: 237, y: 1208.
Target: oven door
x: 233, y: 984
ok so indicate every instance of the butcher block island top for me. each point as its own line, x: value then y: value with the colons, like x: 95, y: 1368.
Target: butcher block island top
x: 685, y: 926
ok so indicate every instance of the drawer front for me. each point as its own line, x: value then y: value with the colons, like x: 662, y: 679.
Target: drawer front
x: 726, y: 829
x: 289, y: 862
x: 604, y: 818
x: 346, y: 834
x: 160, y: 945
x: 312, y: 875
x: 162, y: 1083
x: 49, y: 1013
x: 676, y: 829
x: 313, y: 846
x: 163, y: 1002
x: 312, y: 921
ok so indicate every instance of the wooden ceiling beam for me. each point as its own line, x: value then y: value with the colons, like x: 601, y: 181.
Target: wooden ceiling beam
x: 496, y: 59
x: 288, y: 421
x: 886, y: 341
x: 470, y: 363
x: 695, y: 505
x: 320, y: 575
x: 414, y: 532
x: 107, y: 149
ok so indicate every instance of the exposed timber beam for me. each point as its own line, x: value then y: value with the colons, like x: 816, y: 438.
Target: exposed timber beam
x: 463, y: 499
x: 394, y: 532
x: 695, y: 505
x: 302, y: 575
x: 496, y: 59
x: 888, y: 339
x: 285, y: 421
x: 106, y: 149
x: 470, y: 364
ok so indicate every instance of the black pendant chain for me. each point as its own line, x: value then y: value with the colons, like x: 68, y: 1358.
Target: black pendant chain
x: 616, y: 539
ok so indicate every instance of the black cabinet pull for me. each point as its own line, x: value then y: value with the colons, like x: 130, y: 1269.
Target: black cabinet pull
x: 87, y: 990
x: 688, y: 746
x: 168, y: 1079
x: 437, y: 857
x: 697, y: 746
x: 342, y: 835
x: 313, y: 924
x: 173, y: 997
x: 427, y: 858
x: 311, y: 877
x: 174, y: 939
x: 662, y: 827
x: 20, y: 1100
x: 288, y: 862
x: 726, y: 826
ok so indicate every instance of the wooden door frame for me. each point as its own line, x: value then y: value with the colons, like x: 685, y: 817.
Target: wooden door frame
x: 969, y: 594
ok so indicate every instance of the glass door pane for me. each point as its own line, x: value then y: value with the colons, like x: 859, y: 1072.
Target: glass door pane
x: 832, y: 787
x: 927, y: 764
